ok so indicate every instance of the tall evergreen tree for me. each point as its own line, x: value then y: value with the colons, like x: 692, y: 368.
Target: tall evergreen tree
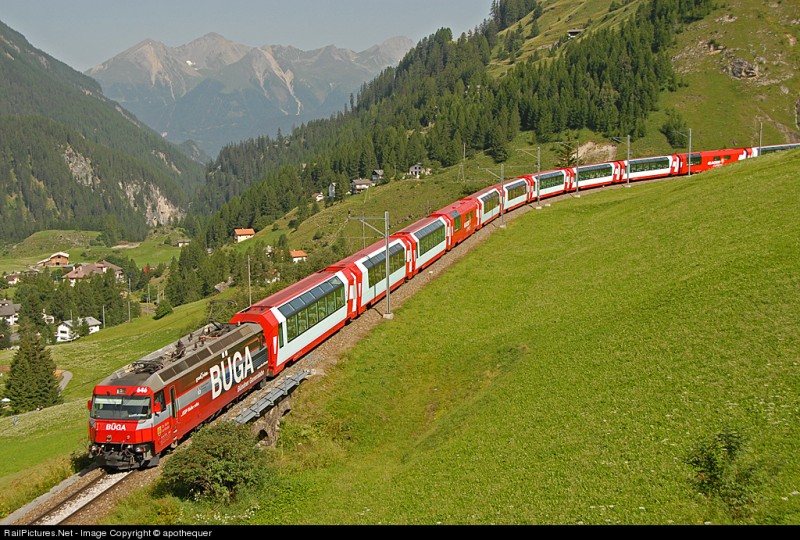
x: 32, y: 381
x: 5, y: 334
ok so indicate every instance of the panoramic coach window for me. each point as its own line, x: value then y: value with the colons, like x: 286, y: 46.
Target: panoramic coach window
x: 376, y: 265
x: 312, y: 307
x: 550, y: 180
x: 641, y: 165
x: 490, y: 202
x: 516, y: 190
x: 589, y: 173
x: 429, y: 237
x: 767, y: 149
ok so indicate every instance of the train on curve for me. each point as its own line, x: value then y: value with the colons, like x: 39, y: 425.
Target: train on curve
x: 149, y: 406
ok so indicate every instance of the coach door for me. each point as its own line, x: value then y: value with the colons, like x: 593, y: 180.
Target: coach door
x: 174, y: 407
x: 163, y: 421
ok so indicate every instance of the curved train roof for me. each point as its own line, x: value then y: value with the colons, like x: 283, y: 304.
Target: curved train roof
x: 421, y: 224
x: 292, y: 291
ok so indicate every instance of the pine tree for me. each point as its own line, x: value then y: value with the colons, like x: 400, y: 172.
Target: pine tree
x: 83, y: 328
x: 32, y: 382
x: 5, y: 334
x: 164, y: 308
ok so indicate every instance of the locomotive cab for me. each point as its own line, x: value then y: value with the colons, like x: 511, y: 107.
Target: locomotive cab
x: 120, y: 425
x: 120, y: 407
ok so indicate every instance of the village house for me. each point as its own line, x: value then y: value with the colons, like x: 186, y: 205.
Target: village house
x: 357, y: 185
x: 13, y: 279
x: 417, y: 170
x: 55, y: 260
x: 83, y: 271
x: 243, y: 234
x: 9, y: 311
x: 298, y: 256
x: 377, y: 175
x: 68, y: 330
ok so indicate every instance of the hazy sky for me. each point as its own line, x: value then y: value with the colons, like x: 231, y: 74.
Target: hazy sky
x: 84, y: 33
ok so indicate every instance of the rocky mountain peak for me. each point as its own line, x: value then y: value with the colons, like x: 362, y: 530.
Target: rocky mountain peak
x: 212, y: 51
x: 214, y: 91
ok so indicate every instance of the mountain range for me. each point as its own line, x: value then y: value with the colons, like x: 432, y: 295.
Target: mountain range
x: 213, y: 91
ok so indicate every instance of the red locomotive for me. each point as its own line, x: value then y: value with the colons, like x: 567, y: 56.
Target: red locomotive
x: 150, y: 405
x: 145, y: 408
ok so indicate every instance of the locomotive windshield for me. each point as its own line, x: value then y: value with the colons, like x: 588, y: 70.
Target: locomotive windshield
x: 120, y: 407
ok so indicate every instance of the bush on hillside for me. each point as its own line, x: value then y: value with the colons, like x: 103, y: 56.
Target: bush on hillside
x: 164, y: 308
x: 221, y: 459
x: 676, y: 129
x: 721, y: 474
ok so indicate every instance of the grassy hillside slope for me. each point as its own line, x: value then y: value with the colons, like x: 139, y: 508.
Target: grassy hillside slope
x: 617, y: 331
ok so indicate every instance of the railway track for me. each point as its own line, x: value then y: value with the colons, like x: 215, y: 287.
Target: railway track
x: 73, y: 500
x: 65, y: 502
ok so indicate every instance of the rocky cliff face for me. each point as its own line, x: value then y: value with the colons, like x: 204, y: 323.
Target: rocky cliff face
x: 143, y: 196
x: 214, y: 91
x: 151, y: 203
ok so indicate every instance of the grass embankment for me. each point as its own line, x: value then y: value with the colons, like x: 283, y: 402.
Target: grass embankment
x: 564, y: 371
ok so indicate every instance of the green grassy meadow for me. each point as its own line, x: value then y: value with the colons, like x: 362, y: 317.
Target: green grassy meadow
x: 563, y: 372
x: 151, y: 251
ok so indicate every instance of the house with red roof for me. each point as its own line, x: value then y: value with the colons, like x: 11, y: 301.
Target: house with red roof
x: 243, y: 234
